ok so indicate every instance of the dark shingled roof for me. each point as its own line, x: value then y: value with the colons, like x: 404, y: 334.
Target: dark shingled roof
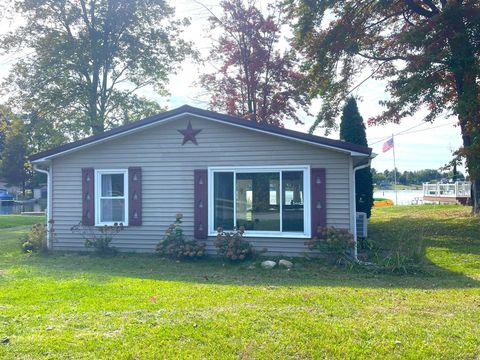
x: 186, y: 109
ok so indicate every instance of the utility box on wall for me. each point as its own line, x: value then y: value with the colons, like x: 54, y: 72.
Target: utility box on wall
x: 362, y: 224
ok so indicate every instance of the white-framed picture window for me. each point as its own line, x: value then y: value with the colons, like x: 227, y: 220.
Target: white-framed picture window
x: 266, y: 201
x: 111, y: 197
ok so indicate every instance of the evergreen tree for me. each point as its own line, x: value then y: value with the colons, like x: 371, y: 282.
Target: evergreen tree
x: 352, y: 129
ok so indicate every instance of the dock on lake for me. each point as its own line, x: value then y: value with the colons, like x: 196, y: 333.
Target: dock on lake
x: 456, y: 193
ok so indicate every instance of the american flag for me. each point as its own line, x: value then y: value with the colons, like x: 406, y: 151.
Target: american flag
x: 388, y: 145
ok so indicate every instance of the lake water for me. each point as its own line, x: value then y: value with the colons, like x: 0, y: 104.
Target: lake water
x: 19, y: 208
x: 405, y: 197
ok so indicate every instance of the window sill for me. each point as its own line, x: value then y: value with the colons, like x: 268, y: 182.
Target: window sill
x: 266, y: 234
x: 110, y: 224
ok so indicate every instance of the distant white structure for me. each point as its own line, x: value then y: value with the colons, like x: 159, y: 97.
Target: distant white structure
x: 457, y: 192
x: 37, y: 193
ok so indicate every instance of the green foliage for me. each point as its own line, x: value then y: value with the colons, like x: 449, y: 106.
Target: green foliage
x: 404, y: 253
x: 403, y: 43
x: 364, y: 191
x: 20, y: 136
x: 176, y: 245
x: 396, y: 262
x: 14, y: 166
x: 36, y: 239
x: 426, y: 51
x: 233, y: 246
x: 417, y: 177
x: 352, y: 129
x: 43, y: 134
x: 401, y: 246
x: 338, y: 243
x: 98, y: 238
x: 85, y: 60
x: 4, y: 125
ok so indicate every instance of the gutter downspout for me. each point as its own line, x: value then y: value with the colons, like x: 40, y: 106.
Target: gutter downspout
x: 49, y: 201
x: 360, y: 167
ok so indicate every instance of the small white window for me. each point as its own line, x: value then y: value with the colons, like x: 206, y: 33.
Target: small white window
x: 111, y: 197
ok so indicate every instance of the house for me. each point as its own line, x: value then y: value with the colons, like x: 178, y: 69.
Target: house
x: 215, y: 169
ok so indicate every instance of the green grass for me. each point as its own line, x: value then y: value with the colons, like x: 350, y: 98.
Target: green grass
x: 8, y: 221
x: 69, y: 305
x: 400, y: 187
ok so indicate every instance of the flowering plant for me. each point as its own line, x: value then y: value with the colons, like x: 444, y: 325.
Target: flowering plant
x: 232, y: 245
x: 339, y: 242
x: 176, y: 245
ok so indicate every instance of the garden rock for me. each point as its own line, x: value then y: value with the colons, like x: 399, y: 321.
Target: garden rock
x: 285, y: 263
x: 268, y: 264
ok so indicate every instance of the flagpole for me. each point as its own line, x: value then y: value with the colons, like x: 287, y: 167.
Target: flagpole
x: 394, y: 172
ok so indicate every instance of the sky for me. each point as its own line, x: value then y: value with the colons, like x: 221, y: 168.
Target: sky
x: 418, y: 145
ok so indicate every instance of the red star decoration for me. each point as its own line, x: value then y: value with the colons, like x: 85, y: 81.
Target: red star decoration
x: 189, y: 134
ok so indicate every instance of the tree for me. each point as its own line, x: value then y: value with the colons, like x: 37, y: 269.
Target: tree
x: 427, y: 51
x: 352, y: 129
x: 41, y: 134
x: 416, y: 177
x: 86, y: 60
x: 4, y: 124
x: 26, y: 135
x: 377, y: 177
x: 14, y: 166
x: 254, y: 78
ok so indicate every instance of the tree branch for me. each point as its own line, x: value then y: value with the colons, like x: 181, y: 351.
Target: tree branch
x: 432, y: 6
x: 382, y: 20
x: 420, y: 10
x: 85, y: 15
x: 407, y: 20
x: 384, y: 58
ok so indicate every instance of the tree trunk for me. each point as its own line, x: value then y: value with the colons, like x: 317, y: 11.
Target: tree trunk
x: 475, y: 196
x: 96, y: 123
x: 463, y: 67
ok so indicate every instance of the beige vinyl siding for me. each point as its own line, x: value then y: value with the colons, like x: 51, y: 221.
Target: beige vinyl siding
x: 167, y: 184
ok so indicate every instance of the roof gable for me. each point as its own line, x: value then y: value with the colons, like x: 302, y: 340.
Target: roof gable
x: 227, y: 119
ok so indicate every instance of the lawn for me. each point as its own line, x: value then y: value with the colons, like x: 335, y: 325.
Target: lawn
x: 8, y: 221
x: 142, y: 307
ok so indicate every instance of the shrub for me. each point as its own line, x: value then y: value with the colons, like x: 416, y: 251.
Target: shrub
x: 36, y: 239
x: 176, y: 245
x: 397, y: 263
x: 403, y: 252
x: 233, y: 246
x: 337, y: 242
x: 98, y: 238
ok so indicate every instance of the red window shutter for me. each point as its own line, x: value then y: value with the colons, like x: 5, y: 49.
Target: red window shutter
x: 319, y: 199
x: 134, y: 196
x: 88, y: 196
x: 201, y: 204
